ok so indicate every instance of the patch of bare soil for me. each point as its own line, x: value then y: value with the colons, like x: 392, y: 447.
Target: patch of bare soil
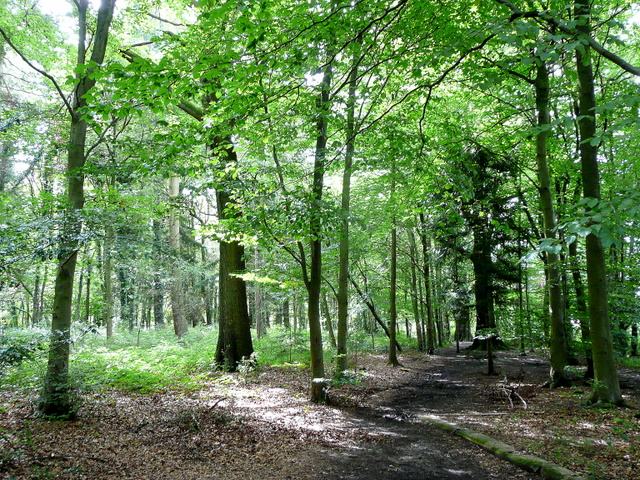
x: 261, y: 426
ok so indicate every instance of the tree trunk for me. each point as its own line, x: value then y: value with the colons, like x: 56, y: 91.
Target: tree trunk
x: 35, y: 300
x: 77, y: 316
x: 343, y: 275
x: 127, y: 293
x: 374, y: 313
x: 393, y: 312
x: 558, y: 343
x: 285, y: 317
x: 234, y: 338
x: 606, y: 388
x: 483, y: 273
x: 56, y: 399
x: 87, y: 300
x: 261, y: 317
x: 158, y: 285
x: 415, y: 294
x: 180, y: 326
x: 314, y: 279
x: 327, y: 316
x: 108, y: 283
x: 581, y: 306
x: 426, y: 272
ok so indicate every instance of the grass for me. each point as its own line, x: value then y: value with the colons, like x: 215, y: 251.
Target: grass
x: 631, y: 362
x: 155, y: 360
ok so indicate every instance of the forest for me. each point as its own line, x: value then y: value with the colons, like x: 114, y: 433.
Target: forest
x: 316, y: 194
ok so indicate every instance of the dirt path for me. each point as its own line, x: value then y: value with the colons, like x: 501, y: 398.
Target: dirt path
x: 408, y: 449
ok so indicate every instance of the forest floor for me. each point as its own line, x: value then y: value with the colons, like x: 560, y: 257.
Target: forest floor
x: 260, y: 425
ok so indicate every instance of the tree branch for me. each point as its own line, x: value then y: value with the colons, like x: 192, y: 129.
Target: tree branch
x: 165, y: 20
x: 184, y: 105
x: 41, y: 72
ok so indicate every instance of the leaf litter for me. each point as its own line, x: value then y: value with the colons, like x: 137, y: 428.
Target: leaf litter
x: 262, y: 426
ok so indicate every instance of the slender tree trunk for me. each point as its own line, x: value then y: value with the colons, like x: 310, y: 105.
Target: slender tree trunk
x: 343, y: 275
x: 558, y: 344
x: 259, y: 300
x: 87, y: 300
x: 581, y: 306
x: 444, y: 326
x: 35, y: 318
x: 314, y: 280
x: 127, y: 293
x: 285, y: 316
x: 78, y: 307
x: 374, y: 313
x: 415, y: 294
x: 426, y: 273
x: 108, y: 283
x: 606, y: 386
x: 634, y: 324
x: 393, y: 312
x: 329, y: 322
x: 393, y: 315
x: 158, y: 285
x: 56, y: 399
x: 45, y: 276
x: 180, y: 326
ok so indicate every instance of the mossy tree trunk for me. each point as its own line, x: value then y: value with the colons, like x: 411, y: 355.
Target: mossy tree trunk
x: 558, y: 343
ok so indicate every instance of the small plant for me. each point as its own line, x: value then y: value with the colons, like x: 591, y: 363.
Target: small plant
x: 348, y: 377
x: 248, y: 366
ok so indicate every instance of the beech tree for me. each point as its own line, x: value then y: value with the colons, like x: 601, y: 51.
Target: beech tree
x: 607, y: 387
x: 56, y: 399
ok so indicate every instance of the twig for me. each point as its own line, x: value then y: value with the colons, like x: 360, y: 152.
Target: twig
x: 41, y: 72
x: 521, y: 399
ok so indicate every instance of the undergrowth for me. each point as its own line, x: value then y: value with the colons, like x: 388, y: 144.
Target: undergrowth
x: 155, y: 360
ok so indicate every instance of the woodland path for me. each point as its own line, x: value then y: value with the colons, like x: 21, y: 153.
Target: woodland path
x: 410, y: 449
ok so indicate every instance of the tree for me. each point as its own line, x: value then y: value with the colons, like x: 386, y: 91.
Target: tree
x: 558, y: 344
x: 234, y: 338
x: 56, y: 399
x: 179, y: 321
x: 393, y: 274
x: 313, y: 280
x: 343, y: 275
x: 482, y: 182
x: 606, y: 386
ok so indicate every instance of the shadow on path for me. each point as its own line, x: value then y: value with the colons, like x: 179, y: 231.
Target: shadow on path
x: 408, y: 450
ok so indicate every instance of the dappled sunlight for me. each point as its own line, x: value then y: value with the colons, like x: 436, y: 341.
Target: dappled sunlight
x: 461, y: 473
x: 277, y: 405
